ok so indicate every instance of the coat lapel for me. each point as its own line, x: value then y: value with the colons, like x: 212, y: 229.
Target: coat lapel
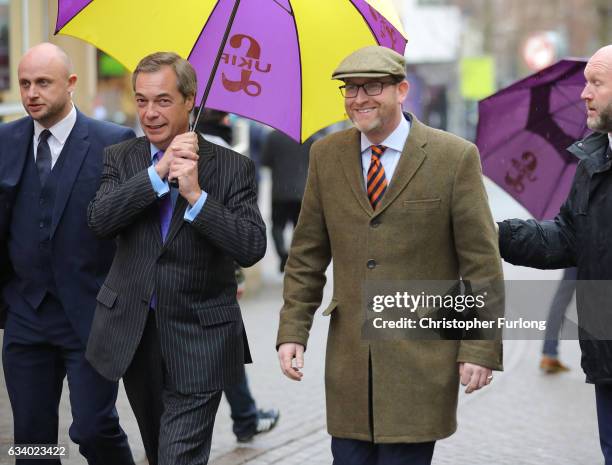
x: 411, y: 159
x: 205, y: 179
x: 350, y: 159
x: 76, y: 149
x: 140, y: 160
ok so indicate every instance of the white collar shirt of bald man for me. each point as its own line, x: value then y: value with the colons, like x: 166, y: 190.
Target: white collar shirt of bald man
x: 59, y: 135
x: 394, y: 144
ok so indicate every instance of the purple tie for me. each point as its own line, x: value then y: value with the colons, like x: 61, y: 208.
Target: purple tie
x: 165, y: 205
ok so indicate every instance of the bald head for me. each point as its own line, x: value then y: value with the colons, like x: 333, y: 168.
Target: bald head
x: 46, y: 82
x: 48, y: 54
x: 597, y: 93
x: 603, y: 55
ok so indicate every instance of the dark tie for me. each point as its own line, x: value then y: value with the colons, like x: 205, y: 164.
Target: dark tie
x: 377, y: 182
x: 43, y: 156
x: 165, y: 205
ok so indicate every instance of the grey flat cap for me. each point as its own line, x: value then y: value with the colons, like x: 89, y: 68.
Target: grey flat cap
x: 371, y: 61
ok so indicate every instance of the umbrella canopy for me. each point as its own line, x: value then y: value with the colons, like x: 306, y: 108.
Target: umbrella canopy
x: 524, y: 131
x: 277, y: 63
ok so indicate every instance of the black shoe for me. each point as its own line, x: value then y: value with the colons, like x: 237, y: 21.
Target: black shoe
x: 266, y: 421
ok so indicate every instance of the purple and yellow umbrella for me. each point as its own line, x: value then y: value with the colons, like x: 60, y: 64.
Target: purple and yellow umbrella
x: 275, y: 57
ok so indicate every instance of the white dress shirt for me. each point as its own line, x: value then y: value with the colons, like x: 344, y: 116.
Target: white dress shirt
x: 59, y: 134
x: 394, y: 143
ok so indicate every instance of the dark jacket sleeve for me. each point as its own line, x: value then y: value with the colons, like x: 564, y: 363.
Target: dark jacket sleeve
x: 540, y: 244
x: 117, y: 203
x: 6, y: 271
x: 235, y: 226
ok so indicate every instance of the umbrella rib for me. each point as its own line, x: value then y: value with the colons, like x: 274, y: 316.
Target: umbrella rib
x: 502, y: 142
x: 195, y: 42
x: 288, y: 11
x: 68, y: 22
x: 301, y: 77
x: 365, y: 20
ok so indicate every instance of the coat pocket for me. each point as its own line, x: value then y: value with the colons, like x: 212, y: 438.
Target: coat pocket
x: 425, y: 204
x: 107, y: 296
x: 218, y: 315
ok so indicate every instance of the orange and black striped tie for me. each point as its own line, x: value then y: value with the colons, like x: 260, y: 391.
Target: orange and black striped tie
x: 377, y: 182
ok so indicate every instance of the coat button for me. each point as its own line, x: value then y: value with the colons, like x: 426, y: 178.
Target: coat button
x: 371, y: 264
x: 375, y: 224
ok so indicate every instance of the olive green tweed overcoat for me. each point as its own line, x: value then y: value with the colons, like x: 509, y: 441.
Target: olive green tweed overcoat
x: 433, y: 223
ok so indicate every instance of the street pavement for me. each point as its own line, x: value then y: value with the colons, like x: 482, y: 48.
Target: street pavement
x: 522, y: 418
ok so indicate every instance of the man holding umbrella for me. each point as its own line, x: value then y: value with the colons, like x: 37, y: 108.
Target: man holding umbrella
x: 580, y: 236
x: 390, y: 200
x: 167, y: 318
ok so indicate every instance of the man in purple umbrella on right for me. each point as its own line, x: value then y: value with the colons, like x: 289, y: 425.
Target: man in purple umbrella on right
x: 580, y: 236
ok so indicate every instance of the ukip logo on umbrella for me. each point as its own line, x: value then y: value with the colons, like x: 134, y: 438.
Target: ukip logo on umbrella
x: 248, y: 64
x: 522, y: 169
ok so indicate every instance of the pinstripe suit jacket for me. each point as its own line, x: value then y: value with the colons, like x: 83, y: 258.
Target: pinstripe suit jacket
x: 201, y: 333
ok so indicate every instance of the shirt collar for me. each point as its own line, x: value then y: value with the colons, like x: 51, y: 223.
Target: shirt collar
x: 396, y: 140
x: 154, y: 150
x: 60, y: 130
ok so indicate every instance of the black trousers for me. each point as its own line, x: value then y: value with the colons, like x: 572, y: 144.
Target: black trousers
x: 176, y: 428
x: 603, y: 397
x: 41, y: 349
x: 354, y: 452
x: 283, y: 213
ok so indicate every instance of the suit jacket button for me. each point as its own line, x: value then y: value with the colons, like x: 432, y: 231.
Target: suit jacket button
x: 371, y: 264
x: 375, y: 224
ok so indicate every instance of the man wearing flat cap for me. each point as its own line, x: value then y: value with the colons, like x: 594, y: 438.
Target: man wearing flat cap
x: 390, y: 199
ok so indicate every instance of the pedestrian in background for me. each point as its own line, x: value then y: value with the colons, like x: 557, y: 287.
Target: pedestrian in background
x: 550, y: 363
x: 248, y: 420
x: 288, y: 162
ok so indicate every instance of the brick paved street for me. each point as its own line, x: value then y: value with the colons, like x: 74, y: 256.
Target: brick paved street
x: 523, y: 418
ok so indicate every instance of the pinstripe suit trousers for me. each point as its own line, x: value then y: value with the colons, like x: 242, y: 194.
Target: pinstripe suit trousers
x: 176, y: 428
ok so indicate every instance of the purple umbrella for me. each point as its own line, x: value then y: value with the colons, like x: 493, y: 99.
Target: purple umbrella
x: 524, y: 131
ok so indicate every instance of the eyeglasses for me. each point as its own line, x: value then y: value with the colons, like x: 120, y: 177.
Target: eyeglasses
x: 370, y: 88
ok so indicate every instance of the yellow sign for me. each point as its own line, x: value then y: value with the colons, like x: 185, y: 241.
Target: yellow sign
x: 477, y: 77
